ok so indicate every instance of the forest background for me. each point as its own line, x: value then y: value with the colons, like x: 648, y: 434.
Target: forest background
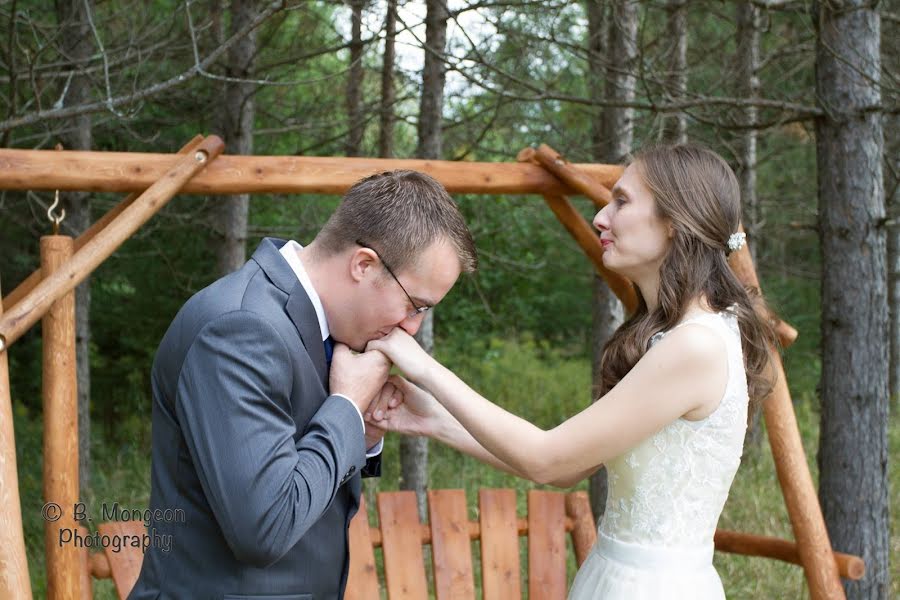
x: 765, y: 83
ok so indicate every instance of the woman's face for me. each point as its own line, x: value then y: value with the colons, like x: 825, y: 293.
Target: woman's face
x: 634, y: 237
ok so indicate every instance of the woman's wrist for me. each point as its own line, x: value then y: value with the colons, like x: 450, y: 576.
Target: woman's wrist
x: 429, y: 372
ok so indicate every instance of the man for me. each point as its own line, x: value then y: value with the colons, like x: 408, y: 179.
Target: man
x: 250, y: 441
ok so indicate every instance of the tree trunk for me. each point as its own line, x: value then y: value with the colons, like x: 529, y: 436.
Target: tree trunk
x: 747, y: 86
x: 355, y: 81
x: 853, y: 444
x: 893, y: 200
x: 236, y: 125
x: 616, y: 127
x: 890, y: 56
x: 431, y: 107
x: 675, y: 125
x: 77, y: 46
x: 598, y: 46
x: 894, y: 300
x: 388, y: 93
x: 414, y: 451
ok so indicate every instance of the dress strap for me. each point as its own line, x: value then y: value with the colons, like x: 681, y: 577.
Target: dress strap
x: 720, y: 317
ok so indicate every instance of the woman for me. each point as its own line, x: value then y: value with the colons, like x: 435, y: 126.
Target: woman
x: 676, y: 381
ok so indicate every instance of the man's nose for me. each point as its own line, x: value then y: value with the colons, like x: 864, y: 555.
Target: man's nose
x: 412, y: 324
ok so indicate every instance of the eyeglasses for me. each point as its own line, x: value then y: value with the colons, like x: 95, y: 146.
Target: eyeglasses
x: 417, y: 310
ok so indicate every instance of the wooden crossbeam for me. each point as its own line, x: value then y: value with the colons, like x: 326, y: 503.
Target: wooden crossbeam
x: 32, y: 280
x: 136, y: 171
x: 26, y: 312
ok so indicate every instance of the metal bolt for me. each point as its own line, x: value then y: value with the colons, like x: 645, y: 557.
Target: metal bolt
x: 200, y: 156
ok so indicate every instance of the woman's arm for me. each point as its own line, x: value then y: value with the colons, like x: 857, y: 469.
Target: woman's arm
x: 414, y: 411
x: 686, y: 371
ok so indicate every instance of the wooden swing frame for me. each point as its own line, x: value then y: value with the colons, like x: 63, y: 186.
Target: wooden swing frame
x: 198, y: 168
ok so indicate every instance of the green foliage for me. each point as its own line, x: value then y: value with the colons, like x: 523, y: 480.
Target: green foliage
x: 532, y: 277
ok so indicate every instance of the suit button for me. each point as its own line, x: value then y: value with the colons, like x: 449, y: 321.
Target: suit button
x: 352, y: 469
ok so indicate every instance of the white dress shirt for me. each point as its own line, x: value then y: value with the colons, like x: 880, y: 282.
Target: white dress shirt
x: 290, y: 253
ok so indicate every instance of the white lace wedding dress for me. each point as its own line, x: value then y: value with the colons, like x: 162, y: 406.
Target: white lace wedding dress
x: 655, y: 540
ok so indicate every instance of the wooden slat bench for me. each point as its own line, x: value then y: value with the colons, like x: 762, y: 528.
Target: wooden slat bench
x: 450, y: 534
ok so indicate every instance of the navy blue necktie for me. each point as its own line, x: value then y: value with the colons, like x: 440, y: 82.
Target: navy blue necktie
x: 329, y: 350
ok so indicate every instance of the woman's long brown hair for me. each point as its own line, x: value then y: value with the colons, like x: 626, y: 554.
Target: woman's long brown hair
x: 698, y: 194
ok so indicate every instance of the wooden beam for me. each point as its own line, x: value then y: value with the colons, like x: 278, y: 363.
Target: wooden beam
x: 14, y: 580
x: 813, y: 543
x: 135, y: 172
x: 848, y: 566
x: 569, y: 174
x: 32, y: 280
x: 742, y: 264
x: 587, y: 239
x: 60, y: 446
x: 584, y: 528
x: 26, y: 312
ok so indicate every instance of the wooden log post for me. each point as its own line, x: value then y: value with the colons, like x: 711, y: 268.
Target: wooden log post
x: 32, y: 280
x: 26, y: 312
x: 60, y: 431
x: 14, y: 580
x: 813, y: 543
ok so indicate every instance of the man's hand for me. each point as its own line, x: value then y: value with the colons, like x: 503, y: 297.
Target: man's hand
x: 358, y: 376
x: 388, y: 397
x: 406, y: 408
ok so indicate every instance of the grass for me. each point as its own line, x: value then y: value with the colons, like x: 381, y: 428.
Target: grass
x: 534, y: 381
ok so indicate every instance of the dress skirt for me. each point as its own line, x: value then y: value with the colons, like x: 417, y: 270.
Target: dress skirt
x: 616, y: 570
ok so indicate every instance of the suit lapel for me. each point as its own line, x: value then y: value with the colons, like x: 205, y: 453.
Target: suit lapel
x: 303, y: 315
x: 298, y: 306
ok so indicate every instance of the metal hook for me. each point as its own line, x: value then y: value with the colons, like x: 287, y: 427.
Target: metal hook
x: 55, y: 219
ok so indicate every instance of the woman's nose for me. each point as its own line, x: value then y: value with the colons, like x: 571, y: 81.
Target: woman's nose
x: 601, y: 219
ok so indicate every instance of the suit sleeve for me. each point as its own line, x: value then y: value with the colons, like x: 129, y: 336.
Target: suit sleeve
x: 233, y: 404
x: 372, y: 467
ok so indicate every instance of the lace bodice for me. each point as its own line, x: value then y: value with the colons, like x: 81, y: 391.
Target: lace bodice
x: 670, y: 489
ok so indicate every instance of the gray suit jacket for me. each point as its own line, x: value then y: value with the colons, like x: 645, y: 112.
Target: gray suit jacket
x: 263, y: 464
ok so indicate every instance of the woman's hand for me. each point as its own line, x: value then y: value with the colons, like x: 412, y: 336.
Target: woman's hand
x: 405, y: 352
x: 405, y: 408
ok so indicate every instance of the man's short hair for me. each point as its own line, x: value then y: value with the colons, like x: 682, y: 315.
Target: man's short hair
x: 399, y: 214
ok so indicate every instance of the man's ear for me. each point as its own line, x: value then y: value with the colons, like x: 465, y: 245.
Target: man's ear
x: 362, y: 263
